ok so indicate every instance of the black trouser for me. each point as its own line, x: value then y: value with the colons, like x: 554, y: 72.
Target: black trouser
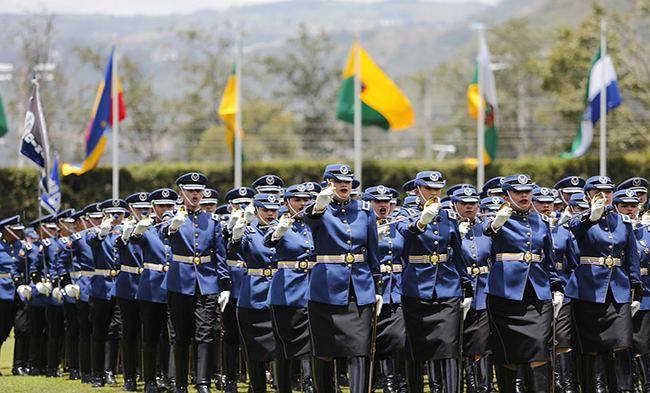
x: 85, y: 331
x: 153, y: 316
x: 130, y: 313
x: 102, y: 318
x: 21, y: 334
x: 8, y: 312
x: 72, y: 334
x: 56, y: 330
x: 37, y: 328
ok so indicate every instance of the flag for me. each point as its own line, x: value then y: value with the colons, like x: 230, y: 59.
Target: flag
x: 3, y: 120
x: 101, y: 120
x: 228, y: 109
x: 591, y: 113
x: 35, y: 145
x: 489, y: 103
x: 51, y: 197
x: 382, y: 102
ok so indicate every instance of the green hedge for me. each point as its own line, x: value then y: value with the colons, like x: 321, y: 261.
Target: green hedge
x: 19, y: 191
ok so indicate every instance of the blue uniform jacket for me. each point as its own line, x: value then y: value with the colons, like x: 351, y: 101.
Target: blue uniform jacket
x: 643, y: 236
x: 8, y: 255
x: 290, y: 285
x: 440, y: 238
x: 254, y: 290
x: 76, y: 259
x: 565, y: 253
x: 391, y: 265
x: 46, y: 263
x: 156, y: 258
x: 590, y: 282
x: 346, y: 228
x: 22, y: 271
x: 522, y: 234
x: 236, y: 266
x: 198, y: 256
x: 131, y: 266
x: 477, y: 249
x: 106, y: 263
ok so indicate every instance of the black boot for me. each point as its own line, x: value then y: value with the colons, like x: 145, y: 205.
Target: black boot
x: 72, y: 349
x: 110, y: 361
x: 85, y: 361
x: 359, y: 369
x: 307, y: 380
x: 435, y: 372
x: 149, y: 362
x: 450, y: 374
x: 506, y: 379
x: 52, y: 357
x: 203, y: 369
x: 257, y: 376
x: 482, y: 375
x: 643, y: 370
x: 623, y: 369
x: 468, y: 372
x: 97, y: 354
x: 283, y: 375
x: 323, y: 374
x: 388, y: 369
x: 129, y: 363
x: 20, y: 357
x: 181, y: 366
x: 542, y: 378
x: 230, y: 360
x: 171, y: 370
x: 564, y: 367
x: 414, y: 376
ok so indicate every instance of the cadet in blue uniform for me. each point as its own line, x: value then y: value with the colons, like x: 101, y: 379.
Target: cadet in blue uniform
x: 210, y: 200
x: 640, y: 186
x: 523, y: 287
x: 477, y: 250
x: 11, y: 232
x: 601, y: 286
x: 390, y: 323
x: 345, y: 283
x: 288, y: 293
x: 104, y: 314
x: 152, y: 298
x: 566, y: 188
x: 196, y: 276
x: 435, y: 285
x: 268, y: 184
x: 253, y: 315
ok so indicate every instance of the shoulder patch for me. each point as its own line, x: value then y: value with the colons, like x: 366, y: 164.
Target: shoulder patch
x: 76, y: 235
x: 28, y: 246
x: 451, y: 215
x: 47, y: 242
x: 544, y: 217
x: 64, y: 240
x: 250, y: 229
x: 626, y: 218
x: 215, y: 217
x: 365, y: 206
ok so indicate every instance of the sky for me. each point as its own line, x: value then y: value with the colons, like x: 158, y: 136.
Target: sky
x: 146, y: 7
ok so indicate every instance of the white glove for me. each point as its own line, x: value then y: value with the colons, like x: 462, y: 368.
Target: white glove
x: 238, y: 230
x: 178, y: 220
x: 383, y: 231
x: 324, y: 198
x: 25, y: 291
x: 380, y: 303
x: 635, y: 306
x: 127, y: 230
x: 283, y: 226
x: 142, y: 226
x: 72, y: 290
x: 249, y: 213
x: 223, y: 299
x: 464, y: 306
x: 464, y: 228
x: 44, y: 287
x: 57, y: 293
x: 597, y: 210
x: 236, y: 215
x: 565, y: 217
x: 645, y: 221
x: 105, y: 227
x: 501, y: 218
x: 558, y: 301
x: 429, y: 213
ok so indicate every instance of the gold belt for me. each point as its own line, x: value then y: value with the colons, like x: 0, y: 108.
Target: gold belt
x: 397, y: 268
x: 267, y: 272
x: 192, y: 260
x: 476, y: 270
x: 106, y: 272
x: 236, y: 263
x: 294, y: 265
x: 601, y: 261
x: 5, y: 275
x: 155, y: 266
x: 432, y: 259
x: 342, y: 258
x: 131, y: 269
x: 519, y: 256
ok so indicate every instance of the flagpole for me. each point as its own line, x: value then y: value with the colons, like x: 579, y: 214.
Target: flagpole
x: 603, y: 99
x: 480, y: 129
x: 115, y: 114
x: 238, y: 147
x: 358, y: 170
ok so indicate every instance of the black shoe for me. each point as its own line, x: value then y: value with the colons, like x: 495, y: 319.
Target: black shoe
x: 109, y: 378
x: 34, y: 372
x: 203, y: 389
x: 98, y: 381
x: 74, y: 374
x: 51, y: 373
x: 86, y: 378
x: 231, y: 386
x: 161, y: 383
x: 150, y: 387
x: 181, y: 389
x: 342, y: 380
x: 20, y: 371
x: 129, y: 385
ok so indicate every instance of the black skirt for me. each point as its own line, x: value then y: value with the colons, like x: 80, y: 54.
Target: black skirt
x: 291, y: 329
x: 391, y: 332
x: 340, y: 331
x: 256, y: 335
x: 520, y: 329
x: 641, y: 332
x: 564, y: 327
x: 602, y: 327
x: 476, y: 333
x: 432, y: 328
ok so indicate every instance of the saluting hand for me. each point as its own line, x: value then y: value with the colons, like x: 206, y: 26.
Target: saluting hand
x: 324, y: 198
x: 283, y: 226
x: 178, y: 220
x: 238, y: 230
x: 501, y: 218
x: 597, y: 210
x: 142, y: 226
x: 429, y: 213
x: 463, y: 228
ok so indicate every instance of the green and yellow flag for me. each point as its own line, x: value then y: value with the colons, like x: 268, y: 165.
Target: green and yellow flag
x: 382, y: 102
x: 3, y: 120
x: 228, y: 109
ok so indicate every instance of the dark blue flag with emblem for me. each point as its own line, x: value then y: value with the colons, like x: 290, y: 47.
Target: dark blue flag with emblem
x: 35, y: 143
x: 51, y: 198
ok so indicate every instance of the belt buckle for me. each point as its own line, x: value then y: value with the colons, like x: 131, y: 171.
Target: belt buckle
x: 434, y: 258
x: 113, y: 273
x: 197, y: 260
x: 349, y: 258
x: 266, y: 272
x: 609, y: 261
x: 165, y: 268
x: 528, y: 257
x: 140, y: 270
x: 476, y: 271
x: 303, y: 265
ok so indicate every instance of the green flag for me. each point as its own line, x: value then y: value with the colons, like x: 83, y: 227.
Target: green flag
x: 3, y: 120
